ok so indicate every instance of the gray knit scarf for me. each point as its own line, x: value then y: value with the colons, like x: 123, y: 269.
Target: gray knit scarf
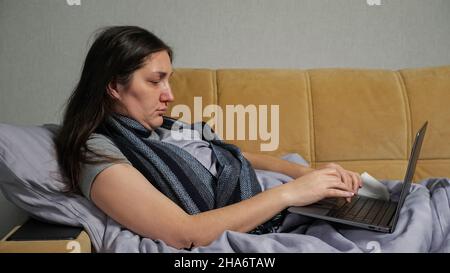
x: 180, y: 176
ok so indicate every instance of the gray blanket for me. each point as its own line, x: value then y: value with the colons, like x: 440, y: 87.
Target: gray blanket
x: 423, y: 226
x: 28, y: 178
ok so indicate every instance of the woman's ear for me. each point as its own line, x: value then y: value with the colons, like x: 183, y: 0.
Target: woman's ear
x: 113, y: 89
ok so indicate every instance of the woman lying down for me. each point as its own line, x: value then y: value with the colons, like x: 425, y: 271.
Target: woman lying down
x: 118, y: 149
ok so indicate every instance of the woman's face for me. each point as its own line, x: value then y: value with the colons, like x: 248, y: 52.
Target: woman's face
x: 147, y: 95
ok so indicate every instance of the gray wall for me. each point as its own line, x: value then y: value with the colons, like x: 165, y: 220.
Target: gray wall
x: 43, y: 42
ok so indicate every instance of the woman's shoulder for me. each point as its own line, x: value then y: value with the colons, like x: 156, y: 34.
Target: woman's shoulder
x: 98, y: 138
x: 102, y: 146
x: 99, y: 142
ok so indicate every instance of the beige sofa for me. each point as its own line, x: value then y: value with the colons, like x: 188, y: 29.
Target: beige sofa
x: 363, y: 119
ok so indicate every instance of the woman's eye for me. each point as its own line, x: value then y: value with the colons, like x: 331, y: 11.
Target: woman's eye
x: 154, y: 82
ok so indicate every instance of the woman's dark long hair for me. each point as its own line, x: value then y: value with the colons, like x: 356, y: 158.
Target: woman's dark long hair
x: 115, y: 54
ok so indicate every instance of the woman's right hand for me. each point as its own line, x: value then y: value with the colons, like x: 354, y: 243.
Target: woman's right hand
x: 315, y: 186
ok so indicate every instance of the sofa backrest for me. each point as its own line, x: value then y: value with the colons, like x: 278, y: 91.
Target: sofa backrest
x: 363, y: 119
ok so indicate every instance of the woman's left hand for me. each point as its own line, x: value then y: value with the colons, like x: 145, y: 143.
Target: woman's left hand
x: 351, y: 179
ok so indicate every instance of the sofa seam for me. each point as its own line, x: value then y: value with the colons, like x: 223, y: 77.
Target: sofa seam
x: 408, y: 114
x: 215, y: 88
x: 378, y: 159
x: 312, y: 136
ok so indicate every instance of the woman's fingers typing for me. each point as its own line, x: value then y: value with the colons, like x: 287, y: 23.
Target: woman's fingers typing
x: 339, y: 193
x: 339, y: 185
x: 315, y: 186
x: 351, y: 179
x: 330, y: 171
x: 357, y: 182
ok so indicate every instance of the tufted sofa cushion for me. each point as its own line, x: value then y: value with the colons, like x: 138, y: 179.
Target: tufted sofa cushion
x: 363, y: 119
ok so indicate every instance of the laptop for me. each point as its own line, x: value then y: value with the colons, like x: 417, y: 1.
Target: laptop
x: 365, y: 212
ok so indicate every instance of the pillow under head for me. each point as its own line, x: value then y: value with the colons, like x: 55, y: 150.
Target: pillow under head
x: 30, y: 178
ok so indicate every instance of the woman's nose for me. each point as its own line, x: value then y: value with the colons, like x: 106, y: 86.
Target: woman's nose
x: 167, y: 94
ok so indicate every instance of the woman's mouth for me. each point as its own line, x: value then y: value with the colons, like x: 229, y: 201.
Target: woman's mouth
x: 161, y: 111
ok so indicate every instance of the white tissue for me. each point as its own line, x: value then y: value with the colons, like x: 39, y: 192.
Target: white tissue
x: 373, y: 188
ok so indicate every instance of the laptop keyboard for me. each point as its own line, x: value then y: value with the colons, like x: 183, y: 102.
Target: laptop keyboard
x: 363, y: 209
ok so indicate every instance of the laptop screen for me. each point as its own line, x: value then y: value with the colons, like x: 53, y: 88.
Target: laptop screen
x: 415, y: 152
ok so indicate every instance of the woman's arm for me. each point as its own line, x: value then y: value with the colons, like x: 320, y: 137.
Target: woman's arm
x: 271, y: 163
x: 128, y: 197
